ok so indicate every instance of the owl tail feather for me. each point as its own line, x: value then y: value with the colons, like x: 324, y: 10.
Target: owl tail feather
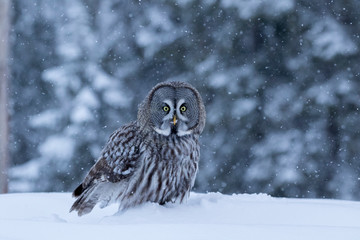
x: 78, y: 191
x: 87, y: 199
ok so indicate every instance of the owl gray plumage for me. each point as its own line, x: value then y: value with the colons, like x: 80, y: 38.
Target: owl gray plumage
x: 154, y: 158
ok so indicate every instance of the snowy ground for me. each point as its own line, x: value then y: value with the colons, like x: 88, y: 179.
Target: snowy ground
x: 205, y: 216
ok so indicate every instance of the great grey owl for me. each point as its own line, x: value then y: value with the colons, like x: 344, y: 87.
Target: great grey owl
x: 154, y: 158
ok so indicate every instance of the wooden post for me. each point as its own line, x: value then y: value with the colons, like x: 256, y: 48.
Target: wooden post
x: 4, y: 78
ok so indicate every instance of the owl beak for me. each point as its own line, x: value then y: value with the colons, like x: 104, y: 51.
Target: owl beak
x: 174, y: 120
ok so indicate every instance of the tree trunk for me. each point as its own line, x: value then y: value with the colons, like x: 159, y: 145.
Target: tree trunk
x: 4, y: 76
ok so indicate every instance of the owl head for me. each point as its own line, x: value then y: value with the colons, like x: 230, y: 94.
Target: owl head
x: 172, y: 108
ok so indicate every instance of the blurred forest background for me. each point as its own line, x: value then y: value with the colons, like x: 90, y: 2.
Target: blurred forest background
x: 280, y: 81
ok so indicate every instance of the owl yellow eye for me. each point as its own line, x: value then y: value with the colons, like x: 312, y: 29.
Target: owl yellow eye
x: 183, y: 108
x: 166, y: 108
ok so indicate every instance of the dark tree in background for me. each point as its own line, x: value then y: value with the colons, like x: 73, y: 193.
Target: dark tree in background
x: 4, y: 76
x: 280, y: 80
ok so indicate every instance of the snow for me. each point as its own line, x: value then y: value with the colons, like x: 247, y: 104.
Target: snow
x: 61, y: 77
x: 207, y: 65
x: 81, y: 114
x: 87, y: 97
x: 23, y: 176
x: 84, y: 102
x: 248, y: 9
x: 115, y: 98
x: 204, y: 216
x: 282, y: 103
x: 243, y: 107
x: 329, y: 40
x: 278, y: 155
x: 57, y: 147
x: 157, y: 30
x: 47, y: 119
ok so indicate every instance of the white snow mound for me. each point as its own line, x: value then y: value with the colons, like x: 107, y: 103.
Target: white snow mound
x: 204, y: 216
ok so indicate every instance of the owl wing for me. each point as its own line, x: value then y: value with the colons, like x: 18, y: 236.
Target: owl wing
x: 117, y: 163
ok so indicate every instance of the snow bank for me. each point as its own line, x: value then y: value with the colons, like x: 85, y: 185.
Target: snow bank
x: 204, y: 216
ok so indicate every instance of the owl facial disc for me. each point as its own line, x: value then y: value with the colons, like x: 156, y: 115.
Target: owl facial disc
x: 182, y: 128
x: 173, y: 109
x: 174, y: 122
x: 165, y: 127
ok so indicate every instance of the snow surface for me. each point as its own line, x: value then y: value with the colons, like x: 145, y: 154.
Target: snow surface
x: 204, y: 216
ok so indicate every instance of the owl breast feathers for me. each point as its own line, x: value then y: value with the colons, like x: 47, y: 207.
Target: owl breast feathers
x: 153, y: 159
